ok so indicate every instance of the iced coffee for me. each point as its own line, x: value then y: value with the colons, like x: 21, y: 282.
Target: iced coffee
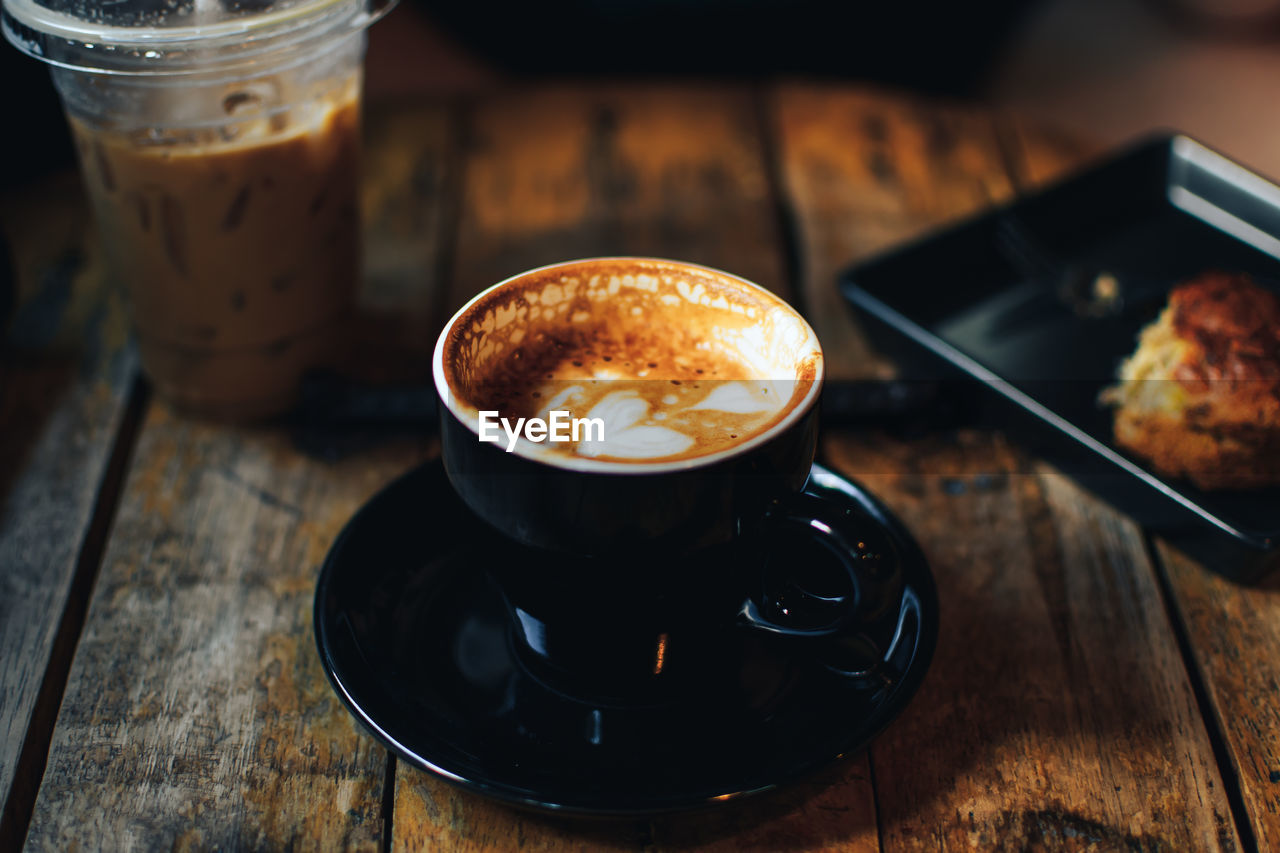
x: 238, y: 242
x: 219, y: 143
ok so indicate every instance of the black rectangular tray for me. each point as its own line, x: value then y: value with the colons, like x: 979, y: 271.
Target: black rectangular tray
x: 1017, y: 305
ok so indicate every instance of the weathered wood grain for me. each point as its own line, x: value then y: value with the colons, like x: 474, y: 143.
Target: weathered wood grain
x: 196, y: 714
x: 432, y: 815
x: 409, y: 201
x: 1058, y: 713
x: 1234, y: 633
x: 827, y: 814
x: 863, y: 171
x: 555, y: 175
x: 65, y: 375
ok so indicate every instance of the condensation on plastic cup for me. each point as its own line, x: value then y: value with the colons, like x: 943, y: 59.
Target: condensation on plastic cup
x: 219, y: 142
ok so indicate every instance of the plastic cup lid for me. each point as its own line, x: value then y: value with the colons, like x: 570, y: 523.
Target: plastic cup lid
x: 167, y: 37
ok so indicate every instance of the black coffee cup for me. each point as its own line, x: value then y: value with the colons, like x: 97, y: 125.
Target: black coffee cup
x: 619, y: 568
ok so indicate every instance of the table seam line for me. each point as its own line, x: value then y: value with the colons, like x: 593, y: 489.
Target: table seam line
x: 33, y: 758
x: 1214, y: 730
x: 783, y: 213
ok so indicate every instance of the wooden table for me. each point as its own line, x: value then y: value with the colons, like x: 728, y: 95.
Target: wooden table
x: 1092, y: 688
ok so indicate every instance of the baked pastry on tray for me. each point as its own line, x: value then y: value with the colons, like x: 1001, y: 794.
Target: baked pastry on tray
x: 1200, y: 397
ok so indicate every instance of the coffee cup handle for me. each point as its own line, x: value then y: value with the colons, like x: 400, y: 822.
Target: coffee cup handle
x: 858, y: 547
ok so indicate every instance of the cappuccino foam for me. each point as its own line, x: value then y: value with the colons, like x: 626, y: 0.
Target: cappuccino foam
x: 674, y: 363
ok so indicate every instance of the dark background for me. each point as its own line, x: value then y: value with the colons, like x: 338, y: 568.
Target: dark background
x: 1105, y: 70
x: 936, y: 46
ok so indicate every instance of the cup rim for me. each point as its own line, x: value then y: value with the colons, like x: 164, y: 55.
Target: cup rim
x: 583, y: 464
x: 232, y: 45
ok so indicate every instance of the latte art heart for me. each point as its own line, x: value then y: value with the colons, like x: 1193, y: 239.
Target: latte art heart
x: 645, y: 420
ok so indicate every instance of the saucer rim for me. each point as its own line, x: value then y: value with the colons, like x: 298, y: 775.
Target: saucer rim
x: 915, y: 569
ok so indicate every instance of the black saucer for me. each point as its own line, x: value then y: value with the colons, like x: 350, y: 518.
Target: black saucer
x: 414, y: 637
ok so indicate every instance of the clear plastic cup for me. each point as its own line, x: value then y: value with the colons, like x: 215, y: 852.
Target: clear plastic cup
x: 220, y: 147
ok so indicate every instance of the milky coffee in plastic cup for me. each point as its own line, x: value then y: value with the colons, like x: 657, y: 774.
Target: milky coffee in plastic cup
x: 219, y: 144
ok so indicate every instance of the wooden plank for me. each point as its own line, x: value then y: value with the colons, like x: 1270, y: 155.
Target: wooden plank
x: 65, y: 376
x: 863, y: 171
x: 196, y: 714
x: 1058, y: 713
x: 829, y: 813
x: 562, y: 174
x: 409, y: 201
x: 432, y: 815
x: 1234, y: 633
x: 1038, y: 155
x: 553, y: 175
